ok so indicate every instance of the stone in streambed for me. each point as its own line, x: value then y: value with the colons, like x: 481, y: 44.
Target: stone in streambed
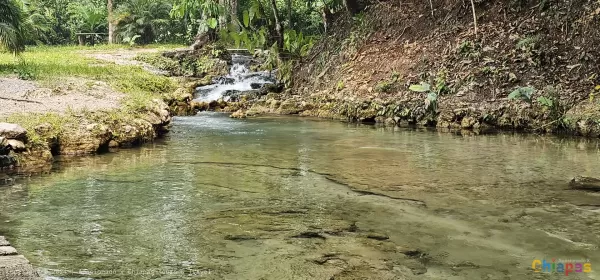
x: 585, y: 183
x: 16, y: 145
x: 13, y: 131
x: 239, y: 114
x: 7, y: 251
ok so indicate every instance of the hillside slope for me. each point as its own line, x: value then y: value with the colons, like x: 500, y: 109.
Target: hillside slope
x: 364, y: 68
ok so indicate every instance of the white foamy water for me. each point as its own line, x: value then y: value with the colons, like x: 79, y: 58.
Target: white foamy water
x: 239, y: 79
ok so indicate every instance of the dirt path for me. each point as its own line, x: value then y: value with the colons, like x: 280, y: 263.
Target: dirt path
x: 126, y: 57
x: 19, y: 96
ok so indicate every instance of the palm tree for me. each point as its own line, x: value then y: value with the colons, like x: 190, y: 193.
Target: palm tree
x: 11, y: 31
x: 35, y: 24
x: 141, y: 19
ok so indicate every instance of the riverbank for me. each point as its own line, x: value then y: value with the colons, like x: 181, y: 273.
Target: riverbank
x: 428, y: 65
x: 415, y: 64
x: 80, y: 100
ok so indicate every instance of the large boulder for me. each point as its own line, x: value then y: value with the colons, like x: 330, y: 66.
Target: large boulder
x: 13, y: 131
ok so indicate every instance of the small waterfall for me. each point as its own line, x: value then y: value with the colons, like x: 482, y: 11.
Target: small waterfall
x: 238, y: 80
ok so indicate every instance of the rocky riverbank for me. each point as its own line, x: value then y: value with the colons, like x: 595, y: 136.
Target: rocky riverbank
x: 83, y: 134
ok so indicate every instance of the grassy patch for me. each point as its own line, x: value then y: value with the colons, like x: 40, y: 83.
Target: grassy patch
x: 31, y: 121
x: 48, y: 64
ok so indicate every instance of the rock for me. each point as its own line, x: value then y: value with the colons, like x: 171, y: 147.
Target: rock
x: 231, y: 95
x: 16, y: 145
x: 113, y: 144
x: 4, y: 148
x: 3, y: 241
x: 225, y: 81
x: 256, y: 85
x: 7, y: 161
x: 13, y: 131
x: 468, y: 122
x: 7, y: 251
x: 85, y: 139
x: 134, y: 133
x: 239, y: 114
x: 585, y: 183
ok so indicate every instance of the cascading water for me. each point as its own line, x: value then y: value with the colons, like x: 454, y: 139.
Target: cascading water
x: 240, y: 79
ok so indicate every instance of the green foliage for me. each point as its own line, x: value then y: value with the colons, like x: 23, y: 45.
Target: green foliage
x: 36, y: 25
x: 522, y: 93
x: 143, y: 18
x: 595, y: 91
x: 422, y: 87
x: 26, y: 71
x: 296, y: 43
x: 554, y: 108
x: 87, y: 17
x: 160, y: 62
x: 340, y: 85
x: 528, y: 42
x: 31, y: 121
x: 465, y: 47
x: 440, y: 83
x: 469, y: 50
x: 431, y: 101
x: 387, y: 86
x: 11, y: 26
x: 384, y: 86
x: 545, y: 101
x: 284, y: 72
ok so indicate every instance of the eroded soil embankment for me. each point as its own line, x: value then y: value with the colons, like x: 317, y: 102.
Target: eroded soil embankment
x: 364, y: 68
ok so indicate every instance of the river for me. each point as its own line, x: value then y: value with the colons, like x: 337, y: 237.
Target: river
x: 298, y: 198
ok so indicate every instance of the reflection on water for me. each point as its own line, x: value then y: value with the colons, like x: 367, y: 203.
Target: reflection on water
x: 288, y: 198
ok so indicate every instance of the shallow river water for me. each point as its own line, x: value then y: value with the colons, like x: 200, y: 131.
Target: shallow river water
x: 293, y: 198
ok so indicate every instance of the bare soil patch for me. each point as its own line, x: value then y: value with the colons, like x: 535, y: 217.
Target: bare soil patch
x: 19, y: 96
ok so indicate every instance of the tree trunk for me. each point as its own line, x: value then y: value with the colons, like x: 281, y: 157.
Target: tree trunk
x: 289, y: 15
x: 111, y: 25
x: 278, y: 28
x: 233, y: 6
x: 223, y: 16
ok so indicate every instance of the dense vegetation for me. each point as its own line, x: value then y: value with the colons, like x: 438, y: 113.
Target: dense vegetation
x: 289, y: 24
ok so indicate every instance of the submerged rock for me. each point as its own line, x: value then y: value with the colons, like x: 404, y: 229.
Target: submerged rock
x: 585, y: 183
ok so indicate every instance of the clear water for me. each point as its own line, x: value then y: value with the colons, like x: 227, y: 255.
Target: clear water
x: 291, y: 198
x: 240, y: 78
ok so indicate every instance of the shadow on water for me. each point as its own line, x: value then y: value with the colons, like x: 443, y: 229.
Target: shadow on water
x: 291, y: 198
